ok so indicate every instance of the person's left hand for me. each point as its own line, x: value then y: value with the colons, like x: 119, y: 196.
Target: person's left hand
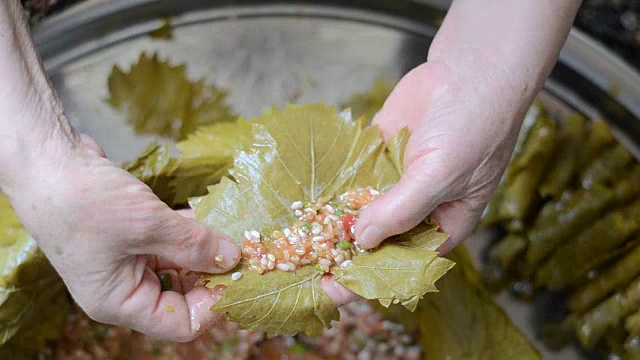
x: 110, y: 237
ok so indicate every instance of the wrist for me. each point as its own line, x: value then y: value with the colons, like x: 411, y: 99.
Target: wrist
x: 40, y: 140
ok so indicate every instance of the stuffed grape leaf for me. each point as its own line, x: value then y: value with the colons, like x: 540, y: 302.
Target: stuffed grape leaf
x: 158, y: 98
x: 303, y: 153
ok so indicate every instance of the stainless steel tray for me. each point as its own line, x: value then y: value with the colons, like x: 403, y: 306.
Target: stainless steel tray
x: 268, y: 52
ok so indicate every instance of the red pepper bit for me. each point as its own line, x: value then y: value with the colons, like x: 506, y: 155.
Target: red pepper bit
x: 347, y: 222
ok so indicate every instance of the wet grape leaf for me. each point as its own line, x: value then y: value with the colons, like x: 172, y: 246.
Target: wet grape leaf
x: 218, y: 142
x: 277, y: 302
x: 411, y: 257
x: 158, y: 98
x: 205, y: 156
x: 155, y: 168
x: 305, y: 152
x: 28, y: 284
x: 462, y: 321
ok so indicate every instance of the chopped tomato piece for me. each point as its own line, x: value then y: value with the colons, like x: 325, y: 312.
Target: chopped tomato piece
x: 347, y: 222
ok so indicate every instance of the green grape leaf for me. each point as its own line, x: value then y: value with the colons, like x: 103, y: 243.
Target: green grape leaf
x: 206, y: 156
x: 28, y: 284
x: 305, y: 152
x: 462, y: 321
x: 277, y: 302
x: 368, y: 103
x: 218, y: 142
x: 155, y: 168
x: 158, y: 98
x: 410, y: 257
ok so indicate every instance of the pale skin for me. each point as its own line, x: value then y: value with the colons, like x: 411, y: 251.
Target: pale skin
x: 108, y: 235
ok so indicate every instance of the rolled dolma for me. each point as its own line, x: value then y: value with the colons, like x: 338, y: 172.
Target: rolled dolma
x: 560, y: 220
x: 632, y: 323
x: 600, y: 137
x: 590, y: 248
x: 565, y: 163
x: 616, y: 276
x: 505, y: 252
x: 492, y: 214
x: 632, y: 348
x: 629, y: 187
x: 526, y: 171
x: 611, y: 165
x: 592, y: 325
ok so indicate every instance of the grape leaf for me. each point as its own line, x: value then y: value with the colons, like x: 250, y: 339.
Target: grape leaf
x: 28, y: 284
x: 257, y: 301
x: 368, y: 103
x: 158, y: 98
x: 462, y: 321
x: 305, y: 152
x: 218, y: 141
x: 206, y: 155
x: 155, y: 168
x: 414, y: 260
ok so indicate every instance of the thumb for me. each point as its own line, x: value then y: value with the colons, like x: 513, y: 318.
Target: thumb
x: 408, y: 203
x: 458, y: 219
x: 188, y: 245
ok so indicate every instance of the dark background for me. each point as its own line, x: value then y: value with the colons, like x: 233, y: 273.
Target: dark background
x: 616, y: 23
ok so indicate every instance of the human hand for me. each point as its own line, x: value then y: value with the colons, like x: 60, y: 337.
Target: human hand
x: 462, y: 138
x: 464, y: 108
x: 110, y: 237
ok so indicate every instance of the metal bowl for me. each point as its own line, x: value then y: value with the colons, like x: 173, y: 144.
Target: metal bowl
x: 273, y: 52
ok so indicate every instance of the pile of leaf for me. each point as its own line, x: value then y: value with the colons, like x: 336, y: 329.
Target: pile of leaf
x: 569, y: 205
x: 33, y: 302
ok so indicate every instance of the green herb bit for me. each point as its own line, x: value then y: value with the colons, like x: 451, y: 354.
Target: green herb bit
x: 100, y: 333
x: 229, y: 345
x: 306, y: 225
x: 156, y: 350
x: 339, y: 211
x: 319, y: 268
x: 166, y: 282
x: 344, y: 245
x: 299, y: 348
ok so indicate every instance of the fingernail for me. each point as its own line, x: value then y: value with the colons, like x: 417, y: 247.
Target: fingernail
x: 371, y: 236
x: 229, y: 254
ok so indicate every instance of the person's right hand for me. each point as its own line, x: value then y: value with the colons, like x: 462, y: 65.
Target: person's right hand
x: 462, y: 136
x: 464, y: 108
x: 109, y: 237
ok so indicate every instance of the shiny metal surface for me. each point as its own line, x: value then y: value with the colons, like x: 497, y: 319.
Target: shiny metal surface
x: 269, y: 52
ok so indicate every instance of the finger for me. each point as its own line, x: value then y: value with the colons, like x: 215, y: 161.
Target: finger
x: 170, y: 280
x: 90, y: 144
x: 190, y: 245
x: 168, y: 315
x: 185, y: 279
x: 458, y: 219
x: 399, y: 210
x: 188, y: 213
x: 338, y: 293
x: 402, y: 104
